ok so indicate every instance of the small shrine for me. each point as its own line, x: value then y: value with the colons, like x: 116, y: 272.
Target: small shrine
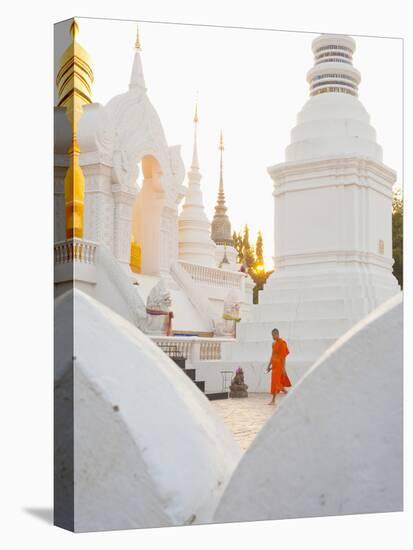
x: 238, y: 387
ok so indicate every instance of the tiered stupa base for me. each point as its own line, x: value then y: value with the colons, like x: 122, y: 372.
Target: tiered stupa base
x: 311, y: 312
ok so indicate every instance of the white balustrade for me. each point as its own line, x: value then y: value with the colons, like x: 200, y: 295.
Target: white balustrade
x: 191, y: 348
x: 210, y: 350
x: 214, y: 276
x: 75, y: 250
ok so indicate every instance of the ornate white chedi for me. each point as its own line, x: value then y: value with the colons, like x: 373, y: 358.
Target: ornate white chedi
x: 130, y: 227
x: 332, y: 218
x: 195, y: 243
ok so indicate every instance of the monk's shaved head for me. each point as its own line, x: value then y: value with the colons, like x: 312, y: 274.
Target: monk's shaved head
x: 275, y: 330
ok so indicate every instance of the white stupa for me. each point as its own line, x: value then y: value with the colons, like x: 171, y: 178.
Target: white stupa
x: 332, y: 218
x: 195, y: 243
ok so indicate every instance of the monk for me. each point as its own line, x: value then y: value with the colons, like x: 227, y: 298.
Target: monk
x: 276, y: 364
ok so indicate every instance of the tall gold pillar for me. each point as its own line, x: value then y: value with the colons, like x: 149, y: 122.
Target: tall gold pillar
x: 74, y: 83
x: 135, y: 256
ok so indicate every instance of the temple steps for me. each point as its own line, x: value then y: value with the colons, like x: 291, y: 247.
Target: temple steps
x: 200, y: 384
x: 216, y: 396
x: 191, y: 373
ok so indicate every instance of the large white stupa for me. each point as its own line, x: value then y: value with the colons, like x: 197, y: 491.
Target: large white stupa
x: 332, y: 218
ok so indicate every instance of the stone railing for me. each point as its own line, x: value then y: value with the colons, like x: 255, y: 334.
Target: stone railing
x: 213, y: 276
x: 198, y: 299
x: 191, y: 348
x: 75, y: 250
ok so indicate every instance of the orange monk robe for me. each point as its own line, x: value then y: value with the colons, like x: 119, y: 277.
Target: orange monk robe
x: 279, y: 378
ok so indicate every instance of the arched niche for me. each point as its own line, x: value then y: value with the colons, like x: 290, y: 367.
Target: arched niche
x: 146, y: 216
x: 131, y: 135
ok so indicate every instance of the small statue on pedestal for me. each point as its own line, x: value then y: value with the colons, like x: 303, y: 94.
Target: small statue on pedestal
x: 238, y: 388
x: 158, y: 311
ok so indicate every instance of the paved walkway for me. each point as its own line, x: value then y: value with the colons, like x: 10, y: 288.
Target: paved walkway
x: 245, y: 416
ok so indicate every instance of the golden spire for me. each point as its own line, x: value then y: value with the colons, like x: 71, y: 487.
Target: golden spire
x: 196, y: 113
x: 74, y: 29
x: 221, y: 226
x: 137, y: 41
x: 75, y: 78
x: 74, y: 83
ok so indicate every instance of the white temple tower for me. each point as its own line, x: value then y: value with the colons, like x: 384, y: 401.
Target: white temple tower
x: 332, y: 218
x: 195, y: 244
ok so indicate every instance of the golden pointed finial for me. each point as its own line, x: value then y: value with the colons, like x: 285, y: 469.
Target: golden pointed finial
x: 196, y: 113
x: 74, y: 29
x: 137, y: 41
x: 221, y: 142
x: 75, y: 76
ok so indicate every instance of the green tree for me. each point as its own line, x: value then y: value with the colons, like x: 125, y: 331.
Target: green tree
x: 260, y: 278
x: 248, y: 252
x: 397, y: 228
x: 246, y: 237
x: 236, y: 237
x: 252, y: 257
x: 259, y: 251
x: 256, y: 267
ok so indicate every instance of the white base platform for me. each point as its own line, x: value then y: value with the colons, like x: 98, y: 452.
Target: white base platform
x: 256, y: 378
x: 311, y: 311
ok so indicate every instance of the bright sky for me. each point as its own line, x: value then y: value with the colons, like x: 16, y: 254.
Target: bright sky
x: 251, y: 84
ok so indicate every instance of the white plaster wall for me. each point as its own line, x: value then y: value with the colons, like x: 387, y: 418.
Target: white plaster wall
x: 334, y: 445
x: 333, y: 124
x: 379, y: 223
x: 350, y: 221
x: 331, y: 206
x: 306, y: 216
x: 149, y: 448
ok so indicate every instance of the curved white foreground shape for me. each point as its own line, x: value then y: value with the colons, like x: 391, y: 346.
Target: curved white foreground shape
x: 334, y: 446
x: 149, y: 449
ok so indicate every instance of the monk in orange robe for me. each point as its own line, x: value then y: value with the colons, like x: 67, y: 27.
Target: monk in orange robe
x: 279, y: 377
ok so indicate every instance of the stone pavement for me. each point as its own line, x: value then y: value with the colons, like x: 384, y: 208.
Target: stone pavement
x: 245, y: 416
